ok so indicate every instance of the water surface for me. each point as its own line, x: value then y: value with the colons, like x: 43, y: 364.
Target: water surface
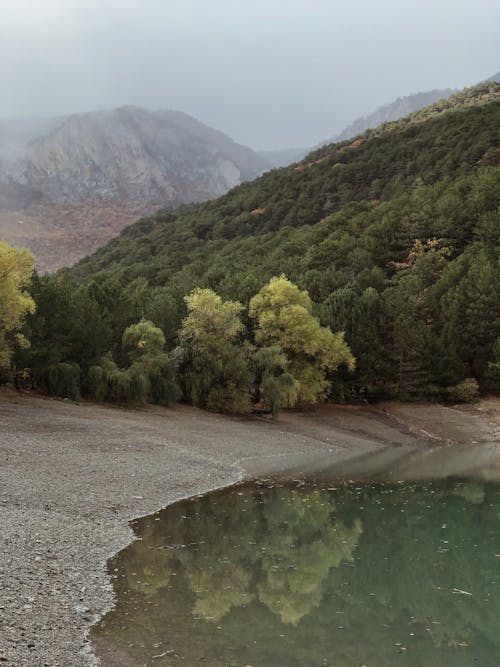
x: 307, y: 575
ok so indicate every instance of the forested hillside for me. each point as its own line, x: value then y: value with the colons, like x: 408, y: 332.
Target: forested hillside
x: 393, y: 111
x: 395, y: 237
x: 377, y: 166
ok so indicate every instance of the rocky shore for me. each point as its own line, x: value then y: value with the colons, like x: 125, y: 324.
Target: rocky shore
x: 72, y: 476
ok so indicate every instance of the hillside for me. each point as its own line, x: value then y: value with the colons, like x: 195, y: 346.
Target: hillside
x: 67, y: 185
x: 401, y: 107
x: 444, y: 140
x: 395, y: 235
x: 390, y: 112
x: 395, y: 110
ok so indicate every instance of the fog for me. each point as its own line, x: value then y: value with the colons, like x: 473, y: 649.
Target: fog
x: 270, y: 73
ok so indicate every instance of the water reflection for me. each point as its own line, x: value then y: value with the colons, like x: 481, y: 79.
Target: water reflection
x: 308, y: 576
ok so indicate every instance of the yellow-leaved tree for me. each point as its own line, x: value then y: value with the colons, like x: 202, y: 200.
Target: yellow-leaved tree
x: 16, y: 268
x: 285, y: 320
x: 215, y: 371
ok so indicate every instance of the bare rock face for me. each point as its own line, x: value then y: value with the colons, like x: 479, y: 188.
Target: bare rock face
x: 82, y: 178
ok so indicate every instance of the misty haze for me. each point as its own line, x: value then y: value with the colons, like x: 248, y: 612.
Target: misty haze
x: 250, y: 293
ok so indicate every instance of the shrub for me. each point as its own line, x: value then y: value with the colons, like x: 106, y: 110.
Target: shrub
x: 128, y: 387
x: 119, y: 386
x: 60, y: 380
x: 164, y: 386
x: 97, y: 383
x: 466, y: 391
x: 5, y: 376
x: 228, y: 399
x: 139, y: 385
x: 492, y: 374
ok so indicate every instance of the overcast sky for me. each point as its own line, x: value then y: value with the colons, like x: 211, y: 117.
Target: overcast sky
x: 270, y: 73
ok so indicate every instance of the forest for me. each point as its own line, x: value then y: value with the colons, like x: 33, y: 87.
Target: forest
x: 368, y: 271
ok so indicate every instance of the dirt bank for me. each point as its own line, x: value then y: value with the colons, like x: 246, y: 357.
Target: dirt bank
x: 72, y: 475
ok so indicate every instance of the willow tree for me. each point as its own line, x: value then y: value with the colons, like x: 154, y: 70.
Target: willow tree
x: 16, y: 268
x: 284, y: 318
x: 142, y: 339
x: 215, y: 370
x: 144, y: 343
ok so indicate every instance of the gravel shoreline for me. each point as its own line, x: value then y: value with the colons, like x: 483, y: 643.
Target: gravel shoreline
x: 73, y: 475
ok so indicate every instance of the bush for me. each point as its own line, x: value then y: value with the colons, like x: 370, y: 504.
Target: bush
x: 5, y: 376
x: 119, y: 386
x: 153, y: 377
x: 164, y: 386
x: 466, y: 391
x: 139, y: 386
x: 492, y: 374
x: 97, y: 383
x: 229, y: 399
x: 128, y: 387
x: 60, y: 380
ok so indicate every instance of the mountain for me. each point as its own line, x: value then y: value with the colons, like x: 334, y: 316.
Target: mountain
x: 67, y: 185
x: 399, y: 108
x: 450, y: 138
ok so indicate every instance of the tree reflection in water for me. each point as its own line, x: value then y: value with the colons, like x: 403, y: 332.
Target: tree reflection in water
x: 311, y: 576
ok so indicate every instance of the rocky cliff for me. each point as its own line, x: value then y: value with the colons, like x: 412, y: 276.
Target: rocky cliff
x: 69, y: 184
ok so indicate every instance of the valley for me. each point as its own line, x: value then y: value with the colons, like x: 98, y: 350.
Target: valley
x: 249, y: 399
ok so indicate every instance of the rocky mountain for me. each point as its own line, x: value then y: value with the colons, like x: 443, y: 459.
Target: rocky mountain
x: 69, y: 184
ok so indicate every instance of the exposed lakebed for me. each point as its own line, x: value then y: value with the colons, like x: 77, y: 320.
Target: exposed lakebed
x: 378, y: 573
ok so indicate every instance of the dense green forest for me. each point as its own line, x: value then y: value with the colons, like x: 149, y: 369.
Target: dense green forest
x: 392, y: 238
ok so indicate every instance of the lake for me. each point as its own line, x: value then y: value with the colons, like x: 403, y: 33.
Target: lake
x: 313, y: 573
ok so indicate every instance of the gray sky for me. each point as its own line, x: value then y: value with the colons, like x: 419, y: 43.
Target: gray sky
x: 270, y: 73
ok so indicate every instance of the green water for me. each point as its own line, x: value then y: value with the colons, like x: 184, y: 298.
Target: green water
x: 300, y: 575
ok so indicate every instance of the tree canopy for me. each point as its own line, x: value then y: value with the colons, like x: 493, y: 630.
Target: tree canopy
x: 215, y: 369
x: 16, y: 267
x: 284, y: 318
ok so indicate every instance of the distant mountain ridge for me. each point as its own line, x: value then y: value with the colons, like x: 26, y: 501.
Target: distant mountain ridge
x: 69, y: 184
x: 59, y: 174
x: 395, y: 110
x: 401, y: 107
